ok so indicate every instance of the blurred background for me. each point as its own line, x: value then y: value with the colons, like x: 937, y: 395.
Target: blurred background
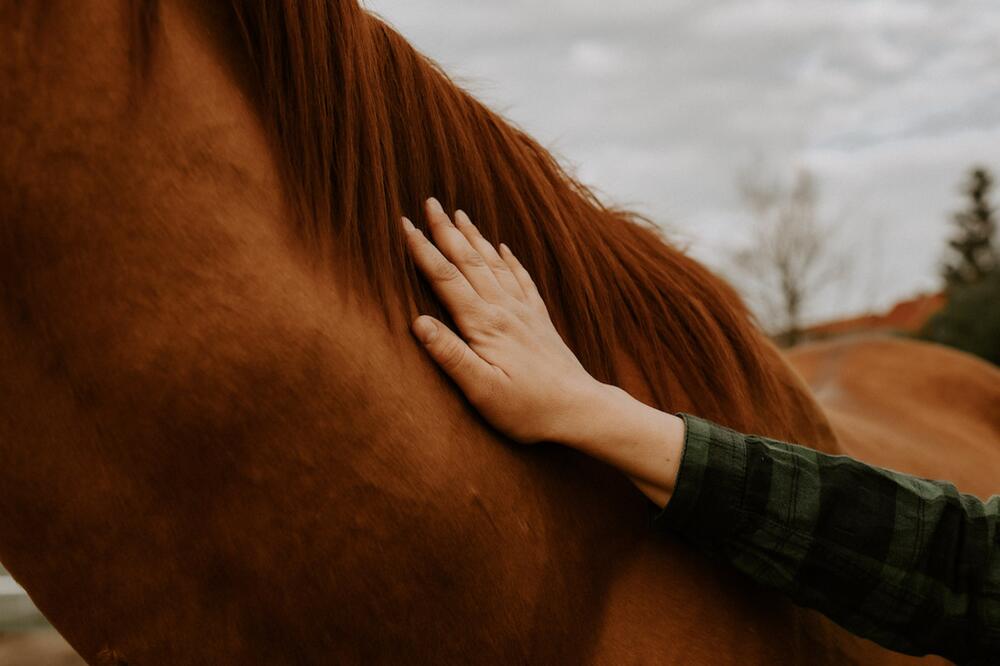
x: 835, y: 159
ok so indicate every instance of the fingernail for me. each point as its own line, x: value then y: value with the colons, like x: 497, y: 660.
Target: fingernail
x: 504, y: 248
x: 407, y: 224
x: 435, y: 205
x: 460, y: 216
x: 424, y: 329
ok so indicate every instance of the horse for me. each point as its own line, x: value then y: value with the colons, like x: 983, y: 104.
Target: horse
x: 218, y: 442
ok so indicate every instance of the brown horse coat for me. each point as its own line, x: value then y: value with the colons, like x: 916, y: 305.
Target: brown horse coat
x: 218, y: 443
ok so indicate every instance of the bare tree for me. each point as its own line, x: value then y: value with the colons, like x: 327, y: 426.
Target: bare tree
x: 791, y: 256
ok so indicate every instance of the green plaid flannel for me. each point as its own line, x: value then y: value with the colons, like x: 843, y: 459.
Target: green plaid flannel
x: 909, y: 563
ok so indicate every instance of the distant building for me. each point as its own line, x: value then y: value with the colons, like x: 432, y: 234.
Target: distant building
x: 905, y: 317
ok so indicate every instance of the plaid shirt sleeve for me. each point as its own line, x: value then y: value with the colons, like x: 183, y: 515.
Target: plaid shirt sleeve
x: 911, y: 564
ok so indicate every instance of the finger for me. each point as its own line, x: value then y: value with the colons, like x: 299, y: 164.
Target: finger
x: 448, y: 283
x: 520, y: 273
x: 457, y: 249
x: 452, y: 354
x: 499, y: 267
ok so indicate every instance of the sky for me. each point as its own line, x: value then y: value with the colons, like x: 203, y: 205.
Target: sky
x: 660, y: 105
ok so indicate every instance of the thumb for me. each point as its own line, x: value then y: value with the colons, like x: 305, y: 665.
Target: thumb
x: 451, y: 352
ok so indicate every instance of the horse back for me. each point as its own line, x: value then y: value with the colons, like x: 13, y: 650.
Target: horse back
x: 910, y: 406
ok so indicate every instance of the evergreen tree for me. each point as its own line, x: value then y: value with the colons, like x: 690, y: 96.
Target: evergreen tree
x: 972, y: 255
x: 971, y: 319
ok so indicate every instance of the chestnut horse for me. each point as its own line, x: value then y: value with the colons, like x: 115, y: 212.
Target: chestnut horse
x: 218, y: 442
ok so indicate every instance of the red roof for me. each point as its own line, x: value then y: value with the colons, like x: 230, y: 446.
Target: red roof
x: 907, y: 316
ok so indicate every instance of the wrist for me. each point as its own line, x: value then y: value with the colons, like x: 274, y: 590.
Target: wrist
x: 582, y: 420
x: 599, y: 415
x: 641, y: 441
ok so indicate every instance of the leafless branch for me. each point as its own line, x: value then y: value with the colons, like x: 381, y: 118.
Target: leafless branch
x: 792, y: 255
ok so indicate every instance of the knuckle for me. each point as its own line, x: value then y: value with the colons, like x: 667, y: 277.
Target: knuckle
x: 498, y: 321
x: 445, y: 271
x: 473, y: 259
x: 451, y: 355
x: 520, y: 311
x: 499, y: 266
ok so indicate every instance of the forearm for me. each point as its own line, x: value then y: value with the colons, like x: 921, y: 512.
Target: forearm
x: 642, y: 442
x: 825, y: 543
x: 909, y: 563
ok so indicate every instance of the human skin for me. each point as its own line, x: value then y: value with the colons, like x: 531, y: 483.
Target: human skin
x: 516, y: 370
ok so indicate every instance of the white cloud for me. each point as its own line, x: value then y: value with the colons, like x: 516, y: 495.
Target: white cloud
x: 803, y: 16
x: 596, y: 58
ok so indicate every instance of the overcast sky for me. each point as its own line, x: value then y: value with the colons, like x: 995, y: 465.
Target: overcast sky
x: 660, y: 103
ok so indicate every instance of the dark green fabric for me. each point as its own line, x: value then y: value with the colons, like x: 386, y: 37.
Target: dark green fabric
x: 911, y: 564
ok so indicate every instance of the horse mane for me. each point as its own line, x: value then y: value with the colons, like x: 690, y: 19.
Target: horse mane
x: 366, y: 128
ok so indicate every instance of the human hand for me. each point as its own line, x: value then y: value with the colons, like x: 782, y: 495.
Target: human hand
x: 512, y: 365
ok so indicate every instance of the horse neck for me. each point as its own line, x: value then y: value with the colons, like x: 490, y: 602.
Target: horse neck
x: 610, y: 279
x: 691, y: 347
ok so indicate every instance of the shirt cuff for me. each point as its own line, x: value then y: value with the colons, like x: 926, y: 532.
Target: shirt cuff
x: 708, y: 492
